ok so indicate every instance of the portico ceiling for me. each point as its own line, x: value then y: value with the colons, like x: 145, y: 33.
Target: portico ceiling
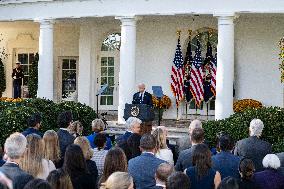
x: 104, y: 8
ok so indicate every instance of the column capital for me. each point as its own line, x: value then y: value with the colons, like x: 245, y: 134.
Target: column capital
x: 45, y: 23
x: 128, y: 20
x: 226, y: 18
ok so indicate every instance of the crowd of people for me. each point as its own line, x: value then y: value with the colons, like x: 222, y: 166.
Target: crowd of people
x: 67, y: 160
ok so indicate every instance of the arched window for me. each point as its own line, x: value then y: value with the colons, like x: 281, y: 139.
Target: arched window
x: 111, y: 43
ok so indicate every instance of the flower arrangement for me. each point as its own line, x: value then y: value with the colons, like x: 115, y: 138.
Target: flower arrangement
x: 165, y: 102
x: 5, y: 99
x: 242, y: 105
x: 281, y: 57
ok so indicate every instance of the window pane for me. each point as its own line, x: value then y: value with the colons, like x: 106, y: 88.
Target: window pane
x: 103, y: 100
x: 212, y: 104
x: 25, y: 69
x: 104, y: 61
x: 104, y: 47
x: 103, y: 71
x: 111, y: 71
x: 110, y: 100
x: 111, y: 81
x: 109, y: 91
x: 31, y: 58
x: 26, y: 80
x: 72, y: 64
x: 192, y: 105
x: 23, y: 58
x: 65, y: 64
x: 110, y: 61
x: 103, y: 80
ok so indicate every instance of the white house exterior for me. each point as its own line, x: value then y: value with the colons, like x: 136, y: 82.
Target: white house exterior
x: 68, y: 35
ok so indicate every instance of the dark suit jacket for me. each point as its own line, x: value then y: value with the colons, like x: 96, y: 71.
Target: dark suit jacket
x: 143, y: 169
x: 147, y: 99
x: 65, y: 139
x: 281, y: 157
x: 17, y: 175
x: 254, y: 149
x: 184, y: 160
x: 227, y: 164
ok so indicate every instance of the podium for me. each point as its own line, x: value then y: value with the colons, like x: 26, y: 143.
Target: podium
x: 143, y: 112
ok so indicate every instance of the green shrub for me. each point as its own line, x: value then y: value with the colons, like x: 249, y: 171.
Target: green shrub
x: 33, y: 78
x: 237, y: 126
x: 13, y: 116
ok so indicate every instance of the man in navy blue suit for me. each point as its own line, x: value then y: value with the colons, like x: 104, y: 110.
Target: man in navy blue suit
x: 142, y: 97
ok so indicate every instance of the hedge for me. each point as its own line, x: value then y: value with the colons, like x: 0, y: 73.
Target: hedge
x: 13, y: 116
x: 237, y: 126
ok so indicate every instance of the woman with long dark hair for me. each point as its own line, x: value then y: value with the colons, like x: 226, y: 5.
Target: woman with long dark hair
x: 246, y: 170
x: 75, y: 165
x: 201, y: 174
x: 115, y: 161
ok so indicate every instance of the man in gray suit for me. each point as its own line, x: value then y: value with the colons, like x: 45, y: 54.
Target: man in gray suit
x: 185, y: 142
x: 15, y: 147
x: 253, y: 147
x: 143, y: 167
x: 185, y: 157
x: 281, y: 157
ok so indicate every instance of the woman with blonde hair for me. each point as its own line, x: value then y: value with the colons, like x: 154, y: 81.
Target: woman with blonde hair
x: 33, y: 161
x: 163, y: 152
x: 51, y: 148
x: 88, y: 154
x: 118, y: 180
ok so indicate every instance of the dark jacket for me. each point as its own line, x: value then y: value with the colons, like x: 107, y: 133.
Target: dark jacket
x: 84, y: 181
x: 247, y: 184
x: 19, y: 177
x: 143, y: 169
x: 65, y: 139
x: 133, y: 144
x: 269, y: 178
x: 31, y: 130
x: 147, y: 99
x: 254, y: 149
x: 19, y: 76
x: 226, y: 164
x: 184, y: 160
x: 92, y: 168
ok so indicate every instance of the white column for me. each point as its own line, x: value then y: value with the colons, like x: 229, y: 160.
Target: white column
x: 127, y: 63
x: 85, y: 65
x: 225, y: 66
x: 45, y: 65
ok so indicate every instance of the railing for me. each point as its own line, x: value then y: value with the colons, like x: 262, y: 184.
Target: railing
x: 23, y: 1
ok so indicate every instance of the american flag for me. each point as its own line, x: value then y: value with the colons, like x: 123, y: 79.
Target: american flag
x: 213, y: 72
x: 196, y: 77
x: 177, y: 75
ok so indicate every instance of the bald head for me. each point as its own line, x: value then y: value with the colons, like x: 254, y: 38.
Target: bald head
x: 164, y: 171
x: 141, y: 87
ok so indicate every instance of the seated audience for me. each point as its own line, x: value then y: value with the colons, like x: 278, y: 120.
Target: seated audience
x: 178, y: 180
x: 229, y: 183
x: 88, y: 154
x: 98, y: 126
x: 118, y: 180
x: 185, y: 142
x: 115, y: 161
x: 133, y: 143
x: 34, y: 123
x: 38, y: 184
x: 100, y: 153
x: 15, y: 147
x: 59, y: 179
x: 201, y: 174
x: 33, y: 161
x: 225, y: 162
x: 246, y: 170
x: 133, y: 125
x: 143, y: 167
x: 51, y: 148
x: 185, y: 157
x: 76, y: 129
x: 163, y: 152
x: 75, y: 165
x: 65, y: 138
x: 163, y: 172
x: 253, y: 147
x: 270, y: 178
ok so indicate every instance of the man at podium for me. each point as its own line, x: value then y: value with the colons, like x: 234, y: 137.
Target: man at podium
x: 142, y: 97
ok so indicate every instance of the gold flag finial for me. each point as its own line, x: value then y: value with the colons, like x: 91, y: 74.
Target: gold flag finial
x: 210, y: 31
x: 189, y: 33
x: 178, y: 33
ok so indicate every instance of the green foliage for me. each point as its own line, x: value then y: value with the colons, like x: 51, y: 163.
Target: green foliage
x: 2, y: 78
x: 237, y: 126
x: 13, y: 116
x: 33, y: 78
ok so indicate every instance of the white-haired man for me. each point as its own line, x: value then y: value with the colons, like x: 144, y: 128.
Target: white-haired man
x: 185, y: 142
x: 253, y: 147
x: 133, y: 125
x: 15, y: 147
x: 142, y: 97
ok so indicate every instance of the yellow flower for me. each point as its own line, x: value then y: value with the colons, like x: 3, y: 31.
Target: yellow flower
x: 242, y: 105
